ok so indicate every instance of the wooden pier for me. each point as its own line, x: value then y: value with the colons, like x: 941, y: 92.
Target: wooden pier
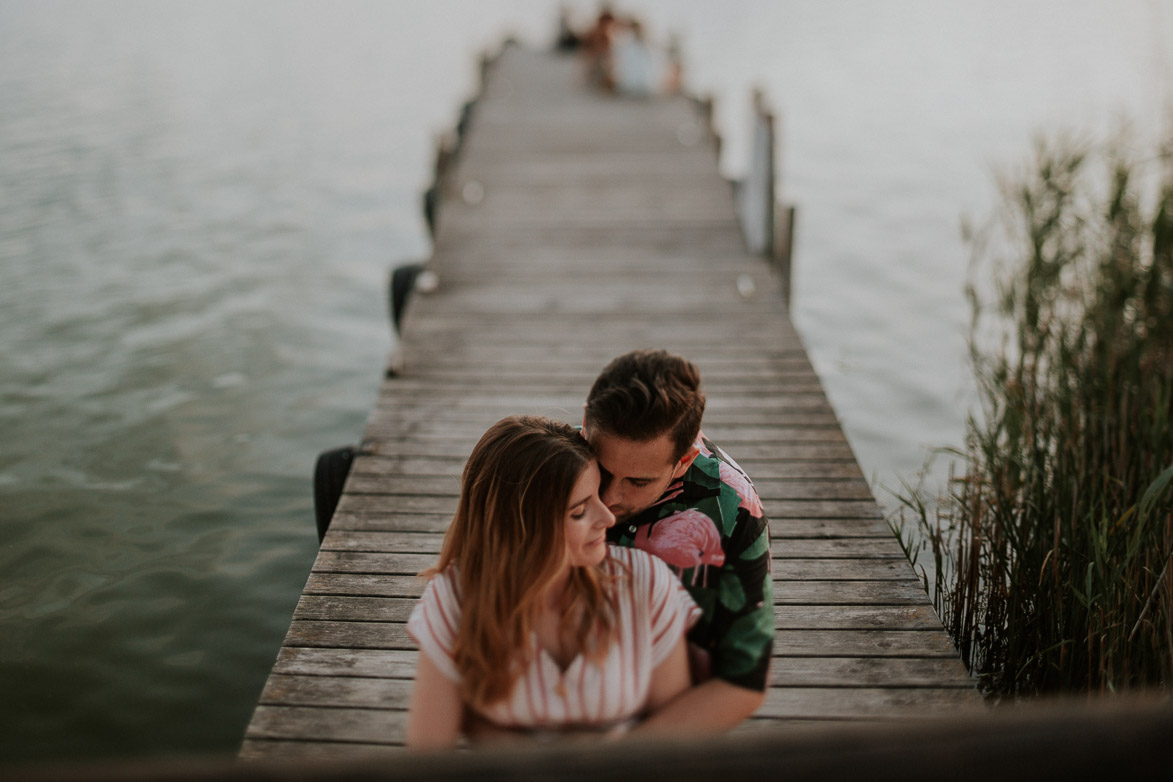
x: 573, y: 226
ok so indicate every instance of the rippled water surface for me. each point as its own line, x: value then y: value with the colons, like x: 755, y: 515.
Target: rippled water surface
x: 199, y: 204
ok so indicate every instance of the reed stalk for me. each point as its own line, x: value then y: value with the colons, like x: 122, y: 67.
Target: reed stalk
x: 1053, y: 550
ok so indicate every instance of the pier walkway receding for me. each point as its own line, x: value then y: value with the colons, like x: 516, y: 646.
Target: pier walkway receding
x: 574, y: 226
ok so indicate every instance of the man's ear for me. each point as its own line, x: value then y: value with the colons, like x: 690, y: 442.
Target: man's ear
x: 685, y: 461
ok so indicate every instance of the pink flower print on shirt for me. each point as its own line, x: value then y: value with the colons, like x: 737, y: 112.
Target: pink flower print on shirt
x: 688, y: 539
x: 739, y: 482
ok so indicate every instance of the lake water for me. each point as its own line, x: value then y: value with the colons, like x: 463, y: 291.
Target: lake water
x: 199, y: 206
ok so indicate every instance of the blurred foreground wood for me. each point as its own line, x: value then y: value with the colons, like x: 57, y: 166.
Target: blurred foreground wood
x: 570, y: 227
x: 1120, y: 739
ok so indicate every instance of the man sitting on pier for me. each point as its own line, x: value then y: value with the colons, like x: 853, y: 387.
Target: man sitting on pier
x: 677, y: 495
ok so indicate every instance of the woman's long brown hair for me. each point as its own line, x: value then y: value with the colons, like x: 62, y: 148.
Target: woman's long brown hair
x: 507, y: 542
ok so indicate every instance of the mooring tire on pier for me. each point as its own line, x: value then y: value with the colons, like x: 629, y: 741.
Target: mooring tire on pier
x: 402, y: 282
x: 330, y: 473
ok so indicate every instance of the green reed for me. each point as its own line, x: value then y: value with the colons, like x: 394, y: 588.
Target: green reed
x: 1053, y: 550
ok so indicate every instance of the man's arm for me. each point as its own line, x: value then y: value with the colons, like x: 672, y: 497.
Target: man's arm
x: 717, y: 705
x: 670, y: 679
x: 713, y: 707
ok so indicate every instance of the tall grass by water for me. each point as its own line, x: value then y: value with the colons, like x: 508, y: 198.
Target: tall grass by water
x: 1053, y: 550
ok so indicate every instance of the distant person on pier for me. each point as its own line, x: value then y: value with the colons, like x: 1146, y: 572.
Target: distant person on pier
x: 531, y: 623
x: 596, y: 49
x: 620, y: 59
x: 635, y: 68
x: 677, y: 495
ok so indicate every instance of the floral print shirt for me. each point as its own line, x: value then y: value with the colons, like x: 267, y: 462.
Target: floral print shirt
x: 710, y: 528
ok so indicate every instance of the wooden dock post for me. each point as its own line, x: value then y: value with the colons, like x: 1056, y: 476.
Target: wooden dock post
x: 766, y: 222
x: 756, y: 195
x: 599, y: 228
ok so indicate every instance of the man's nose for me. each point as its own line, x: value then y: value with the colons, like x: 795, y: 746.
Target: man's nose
x: 610, y: 494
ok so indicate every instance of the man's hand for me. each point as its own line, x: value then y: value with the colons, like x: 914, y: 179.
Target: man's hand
x: 710, y: 708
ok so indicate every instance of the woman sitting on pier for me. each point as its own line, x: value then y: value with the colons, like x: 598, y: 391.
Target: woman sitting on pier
x: 531, y: 622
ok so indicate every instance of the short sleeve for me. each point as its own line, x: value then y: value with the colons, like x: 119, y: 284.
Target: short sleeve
x: 673, y: 611
x: 742, y: 652
x: 434, y: 621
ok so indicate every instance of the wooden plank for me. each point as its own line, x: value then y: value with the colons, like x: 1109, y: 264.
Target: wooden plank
x: 391, y: 521
x: 337, y: 691
x: 404, y: 421
x: 429, y: 543
x: 812, y: 592
x: 786, y: 464
x: 318, y: 753
x: 882, y: 546
x: 846, y: 508
x: 363, y: 585
x: 787, y: 617
x: 798, y: 527
x: 864, y: 643
x: 861, y: 617
x: 380, y: 564
x: 872, y: 672
x: 400, y: 471
x: 796, y: 592
x: 449, y: 486
x: 833, y: 672
x: 819, y: 702
x: 421, y: 383
x: 349, y: 636
x: 370, y: 635
x: 778, y: 452
x: 364, y: 637
x: 801, y: 568
x: 841, y: 569
x: 298, y: 661
x: 780, y: 528
x: 354, y: 609
x: 580, y: 373
x: 366, y: 726
x: 585, y: 359
x: 429, y: 402
x: 805, y: 569
x: 851, y: 703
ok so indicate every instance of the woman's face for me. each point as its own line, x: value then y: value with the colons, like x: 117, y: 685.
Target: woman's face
x: 587, y: 520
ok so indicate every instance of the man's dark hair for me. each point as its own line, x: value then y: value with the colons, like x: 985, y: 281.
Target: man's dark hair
x: 644, y: 394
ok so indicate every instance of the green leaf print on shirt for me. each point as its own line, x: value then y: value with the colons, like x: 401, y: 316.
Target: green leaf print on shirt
x: 732, y: 593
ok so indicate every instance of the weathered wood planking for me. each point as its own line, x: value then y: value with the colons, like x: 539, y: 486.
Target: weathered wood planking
x: 588, y: 229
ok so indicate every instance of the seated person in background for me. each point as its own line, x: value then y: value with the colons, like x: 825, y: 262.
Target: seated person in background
x: 596, y: 49
x: 530, y: 621
x: 677, y: 495
x: 635, y: 68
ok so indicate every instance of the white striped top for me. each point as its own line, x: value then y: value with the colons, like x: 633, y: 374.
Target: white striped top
x: 654, y: 612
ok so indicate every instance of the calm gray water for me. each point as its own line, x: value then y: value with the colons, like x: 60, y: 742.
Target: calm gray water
x: 199, y: 204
